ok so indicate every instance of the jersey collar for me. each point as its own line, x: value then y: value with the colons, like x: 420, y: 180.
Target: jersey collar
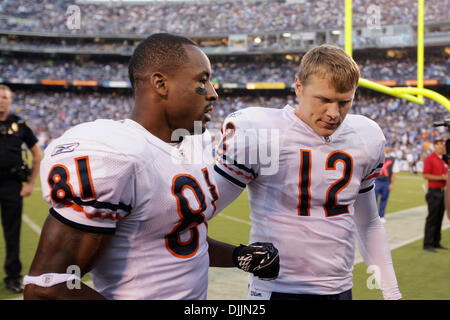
x: 167, y: 147
x: 290, y: 111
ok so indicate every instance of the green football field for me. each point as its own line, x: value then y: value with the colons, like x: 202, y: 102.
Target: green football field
x: 421, y: 275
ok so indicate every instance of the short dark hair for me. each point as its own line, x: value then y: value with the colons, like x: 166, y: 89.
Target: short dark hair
x: 159, y: 52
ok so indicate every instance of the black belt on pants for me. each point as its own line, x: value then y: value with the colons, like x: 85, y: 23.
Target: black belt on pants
x: 346, y: 295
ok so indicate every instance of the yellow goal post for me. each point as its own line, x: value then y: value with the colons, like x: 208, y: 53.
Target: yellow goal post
x: 413, y: 94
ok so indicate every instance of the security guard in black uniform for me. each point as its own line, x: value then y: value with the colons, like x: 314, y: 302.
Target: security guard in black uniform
x: 16, y: 182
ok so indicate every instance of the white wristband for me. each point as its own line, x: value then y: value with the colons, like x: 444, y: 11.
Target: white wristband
x: 50, y: 279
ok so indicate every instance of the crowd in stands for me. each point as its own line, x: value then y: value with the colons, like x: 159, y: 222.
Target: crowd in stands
x: 76, y: 44
x: 407, y: 126
x: 373, y: 69
x: 62, y: 69
x: 237, y: 72
x: 50, y: 114
x: 217, y: 17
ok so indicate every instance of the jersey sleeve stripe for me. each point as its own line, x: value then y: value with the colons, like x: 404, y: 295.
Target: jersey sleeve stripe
x: 237, y: 172
x: 79, y: 226
x: 371, y: 176
x: 240, y: 166
x: 102, y: 205
x: 366, y: 189
x: 374, y: 173
x: 380, y: 166
x: 228, y: 177
x: 113, y: 215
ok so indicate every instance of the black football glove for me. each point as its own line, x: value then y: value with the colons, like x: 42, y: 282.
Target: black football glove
x: 259, y: 258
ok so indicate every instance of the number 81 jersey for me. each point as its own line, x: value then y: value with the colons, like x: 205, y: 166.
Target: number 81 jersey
x: 115, y: 177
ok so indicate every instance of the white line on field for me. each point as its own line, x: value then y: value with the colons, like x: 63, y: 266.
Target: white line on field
x: 404, y: 243
x: 390, y: 215
x: 31, y: 224
x: 413, y: 178
x: 400, y: 244
x: 407, y: 210
x: 234, y: 219
x: 412, y: 192
x: 38, y: 229
x: 397, y: 200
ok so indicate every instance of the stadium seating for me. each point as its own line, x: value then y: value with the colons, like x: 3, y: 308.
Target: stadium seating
x: 220, y: 17
x: 84, y: 68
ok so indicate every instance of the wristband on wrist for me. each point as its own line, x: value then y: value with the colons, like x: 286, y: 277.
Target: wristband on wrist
x: 50, y: 279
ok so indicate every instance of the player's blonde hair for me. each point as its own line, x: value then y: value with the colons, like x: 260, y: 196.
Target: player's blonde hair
x: 332, y: 63
x: 5, y: 87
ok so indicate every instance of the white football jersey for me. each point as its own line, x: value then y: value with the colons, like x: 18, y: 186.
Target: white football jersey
x: 302, y: 188
x: 116, y: 177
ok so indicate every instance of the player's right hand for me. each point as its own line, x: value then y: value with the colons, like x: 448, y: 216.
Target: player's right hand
x: 259, y: 258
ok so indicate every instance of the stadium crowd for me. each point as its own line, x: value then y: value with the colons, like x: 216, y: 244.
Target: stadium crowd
x: 62, y: 69
x: 374, y: 69
x: 407, y: 126
x: 219, y: 17
x: 39, y: 44
x: 237, y: 72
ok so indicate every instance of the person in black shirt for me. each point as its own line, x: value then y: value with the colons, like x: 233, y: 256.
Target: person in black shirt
x: 15, y: 183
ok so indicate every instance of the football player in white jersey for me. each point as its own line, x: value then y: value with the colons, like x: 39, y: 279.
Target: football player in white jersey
x: 128, y: 203
x: 310, y: 173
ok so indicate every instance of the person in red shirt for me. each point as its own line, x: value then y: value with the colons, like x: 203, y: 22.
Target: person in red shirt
x: 435, y: 171
x: 448, y: 193
x: 447, y: 147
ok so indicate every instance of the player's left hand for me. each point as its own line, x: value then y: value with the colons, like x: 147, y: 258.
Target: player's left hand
x: 26, y: 190
x: 259, y: 258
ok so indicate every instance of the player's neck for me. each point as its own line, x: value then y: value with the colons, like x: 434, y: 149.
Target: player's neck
x: 299, y: 115
x: 4, y: 116
x: 152, y: 124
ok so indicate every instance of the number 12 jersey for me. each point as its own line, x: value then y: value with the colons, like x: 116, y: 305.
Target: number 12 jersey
x: 301, y: 189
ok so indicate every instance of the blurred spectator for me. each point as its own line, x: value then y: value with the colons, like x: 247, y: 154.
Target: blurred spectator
x: 385, y: 181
